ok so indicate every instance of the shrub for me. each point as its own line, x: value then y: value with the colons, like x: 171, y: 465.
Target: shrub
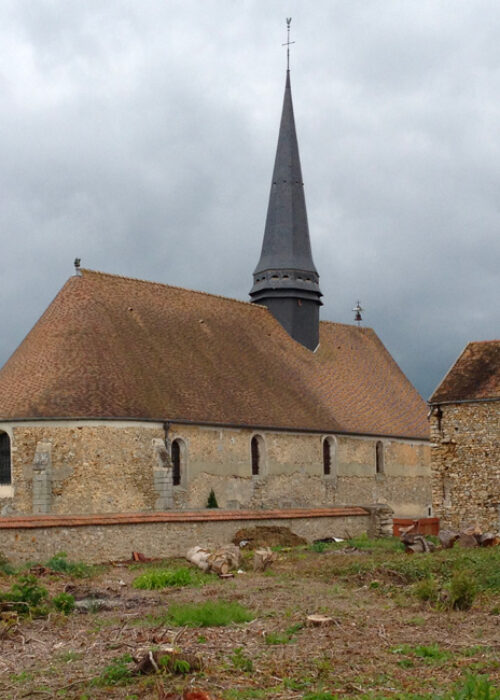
x: 26, y: 596
x: 165, y: 578
x: 462, y: 590
x: 5, y: 567
x: 212, y: 500
x: 217, y: 613
x: 64, y: 602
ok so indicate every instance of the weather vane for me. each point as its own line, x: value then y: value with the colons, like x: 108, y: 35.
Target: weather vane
x: 357, y: 313
x: 288, y: 42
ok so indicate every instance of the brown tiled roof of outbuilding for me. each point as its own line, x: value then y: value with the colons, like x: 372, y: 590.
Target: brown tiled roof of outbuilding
x: 474, y: 376
x: 113, y: 347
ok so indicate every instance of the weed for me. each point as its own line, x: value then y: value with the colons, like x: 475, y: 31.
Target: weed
x: 166, y: 578
x: 277, y: 638
x: 247, y: 693
x: 380, y: 544
x: 431, y: 652
x: 69, y: 656
x: 318, y: 547
x: 217, y: 613
x: 417, y: 620
x: 427, y: 590
x: 22, y: 677
x: 283, y: 637
x: 475, y: 688
x: 116, y: 673
x: 64, y: 602
x: 240, y: 660
x: 202, y: 639
x: 293, y: 684
x: 462, y: 590
x: 174, y: 665
x: 59, y: 563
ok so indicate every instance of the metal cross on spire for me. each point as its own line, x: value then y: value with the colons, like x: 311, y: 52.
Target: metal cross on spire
x: 357, y: 313
x: 288, y: 42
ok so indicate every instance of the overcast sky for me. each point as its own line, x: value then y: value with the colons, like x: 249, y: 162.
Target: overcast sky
x: 140, y: 136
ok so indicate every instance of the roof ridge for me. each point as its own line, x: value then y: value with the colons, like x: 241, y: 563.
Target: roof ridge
x: 347, y: 325
x: 171, y: 286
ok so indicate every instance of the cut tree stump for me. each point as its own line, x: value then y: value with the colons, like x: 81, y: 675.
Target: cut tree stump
x: 319, y: 620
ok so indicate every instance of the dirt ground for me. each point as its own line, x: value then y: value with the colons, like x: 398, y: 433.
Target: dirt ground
x: 382, y: 641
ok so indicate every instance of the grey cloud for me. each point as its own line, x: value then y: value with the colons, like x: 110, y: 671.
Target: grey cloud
x: 141, y: 137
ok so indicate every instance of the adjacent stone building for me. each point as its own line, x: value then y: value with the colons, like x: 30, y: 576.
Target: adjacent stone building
x: 465, y: 439
x: 132, y: 396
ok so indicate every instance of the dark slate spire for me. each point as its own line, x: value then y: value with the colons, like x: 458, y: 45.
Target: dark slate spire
x: 286, y: 279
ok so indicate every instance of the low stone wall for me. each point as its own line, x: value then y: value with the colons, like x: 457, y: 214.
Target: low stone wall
x: 106, y: 537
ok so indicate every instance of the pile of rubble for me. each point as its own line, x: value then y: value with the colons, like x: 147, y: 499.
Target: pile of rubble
x: 469, y: 537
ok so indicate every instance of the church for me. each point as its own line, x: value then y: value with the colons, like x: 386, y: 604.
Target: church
x: 131, y: 396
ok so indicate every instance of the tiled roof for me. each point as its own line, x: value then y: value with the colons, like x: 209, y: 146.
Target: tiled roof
x: 475, y: 375
x: 113, y: 347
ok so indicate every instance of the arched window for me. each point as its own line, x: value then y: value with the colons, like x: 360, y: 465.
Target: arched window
x: 176, y: 462
x: 257, y: 450
x: 5, y: 471
x: 379, y: 457
x: 328, y: 456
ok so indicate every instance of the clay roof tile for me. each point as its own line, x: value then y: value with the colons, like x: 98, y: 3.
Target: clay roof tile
x: 114, y: 347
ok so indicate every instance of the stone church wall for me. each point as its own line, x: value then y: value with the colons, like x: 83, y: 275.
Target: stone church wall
x: 465, y: 462
x: 64, y: 467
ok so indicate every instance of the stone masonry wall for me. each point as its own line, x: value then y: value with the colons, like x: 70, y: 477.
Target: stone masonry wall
x: 104, y: 467
x: 465, y: 462
x: 98, y: 543
x: 92, y: 468
x: 291, y: 473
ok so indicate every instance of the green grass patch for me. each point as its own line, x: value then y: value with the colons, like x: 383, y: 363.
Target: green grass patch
x: 62, y: 565
x: 387, y: 563
x: 218, y: 613
x: 155, y: 579
x: 431, y: 652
